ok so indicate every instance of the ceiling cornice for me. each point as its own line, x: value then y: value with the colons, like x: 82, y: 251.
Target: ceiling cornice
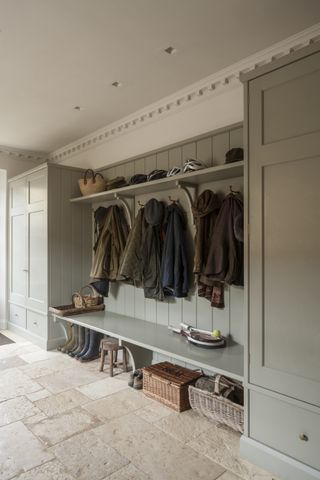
x: 37, y: 157
x: 215, y: 84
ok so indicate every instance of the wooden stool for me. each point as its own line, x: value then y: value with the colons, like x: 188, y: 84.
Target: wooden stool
x: 112, y: 347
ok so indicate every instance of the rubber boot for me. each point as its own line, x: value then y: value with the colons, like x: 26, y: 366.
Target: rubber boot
x: 69, y: 344
x: 80, y: 343
x: 86, y: 344
x: 93, y: 351
x: 76, y: 340
x: 69, y: 334
x: 75, y: 337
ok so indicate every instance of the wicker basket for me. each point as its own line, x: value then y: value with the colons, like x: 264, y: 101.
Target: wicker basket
x: 92, y: 183
x: 217, y: 408
x: 91, y: 300
x: 169, y: 383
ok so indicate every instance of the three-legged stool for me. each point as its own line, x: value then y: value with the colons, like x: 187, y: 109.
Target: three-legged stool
x: 113, y: 347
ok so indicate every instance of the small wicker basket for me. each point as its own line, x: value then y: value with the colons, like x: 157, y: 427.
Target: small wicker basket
x: 86, y: 301
x: 92, y: 183
x: 217, y: 408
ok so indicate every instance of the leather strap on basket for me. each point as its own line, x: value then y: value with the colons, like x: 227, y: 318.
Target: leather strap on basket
x: 219, y: 386
x: 92, y: 175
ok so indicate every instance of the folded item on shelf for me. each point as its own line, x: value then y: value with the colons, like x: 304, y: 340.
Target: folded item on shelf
x: 157, y: 175
x: 138, y: 178
x: 116, y: 182
x: 234, y: 155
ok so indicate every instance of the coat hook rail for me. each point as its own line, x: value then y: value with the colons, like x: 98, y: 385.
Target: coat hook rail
x: 233, y: 191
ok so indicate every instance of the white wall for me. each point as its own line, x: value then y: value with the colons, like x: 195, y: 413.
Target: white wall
x: 9, y: 167
x: 209, y: 114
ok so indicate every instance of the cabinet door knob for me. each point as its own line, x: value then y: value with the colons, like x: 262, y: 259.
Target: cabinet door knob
x: 303, y: 437
x: 25, y: 270
x: 35, y: 323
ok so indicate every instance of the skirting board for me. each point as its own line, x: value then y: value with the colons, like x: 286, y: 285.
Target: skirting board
x: 275, y: 462
x: 3, y: 324
x: 41, y: 342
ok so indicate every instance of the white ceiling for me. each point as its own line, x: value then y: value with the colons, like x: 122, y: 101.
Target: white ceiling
x: 57, y: 54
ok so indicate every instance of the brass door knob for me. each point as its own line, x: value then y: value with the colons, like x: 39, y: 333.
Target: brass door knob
x: 303, y: 437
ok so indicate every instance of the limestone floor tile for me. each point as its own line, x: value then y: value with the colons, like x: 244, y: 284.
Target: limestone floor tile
x: 34, y: 419
x: 117, y: 404
x: 129, y: 472
x: 11, y: 362
x: 127, y: 426
x: 16, y: 409
x: 14, y: 383
x: 60, y: 427
x: 229, y: 476
x: 65, y: 380
x: 43, y: 393
x: 20, y: 451
x: 103, y: 387
x: 53, y: 470
x: 154, y: 411
x: 185, y: 426
x: 221, y: 444
x: 47, y: 367
x: 15, y: 349
x: 61, y: 402
x: 38, y: 356
x: 85, y: 456
x: 162, y: 457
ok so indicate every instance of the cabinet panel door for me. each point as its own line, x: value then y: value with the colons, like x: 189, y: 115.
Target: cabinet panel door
x: 18, y: 259
x: 284, y: 246
x: 37, y: 247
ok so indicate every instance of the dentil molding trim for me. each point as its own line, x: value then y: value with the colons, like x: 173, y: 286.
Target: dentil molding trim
x: 215, y: 84
x: 37, y: 157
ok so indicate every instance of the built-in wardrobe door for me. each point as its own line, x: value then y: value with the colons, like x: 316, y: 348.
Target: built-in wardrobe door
x: 37, y: 288
x: 284, y: 218
x: 18, y: 268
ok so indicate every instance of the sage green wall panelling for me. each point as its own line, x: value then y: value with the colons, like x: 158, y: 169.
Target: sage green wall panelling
x: 211, y: 149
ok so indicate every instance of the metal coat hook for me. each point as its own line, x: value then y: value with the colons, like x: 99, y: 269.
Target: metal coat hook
x: 140, y: 204
x: 173, y: 200
x: 233, y: 191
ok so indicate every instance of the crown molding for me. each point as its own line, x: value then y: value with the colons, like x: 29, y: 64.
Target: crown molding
x: 37, y: 157
x: 216, y: 84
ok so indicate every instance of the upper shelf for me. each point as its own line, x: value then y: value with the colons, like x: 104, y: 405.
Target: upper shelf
x: 211, y: 174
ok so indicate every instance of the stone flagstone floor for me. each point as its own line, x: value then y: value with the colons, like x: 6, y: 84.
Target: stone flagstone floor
x: 63, y: 420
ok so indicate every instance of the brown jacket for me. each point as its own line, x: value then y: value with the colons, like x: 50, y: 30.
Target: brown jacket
x: 205, y: 213
x: 225, y: 258
x: 131, y: 262
x: 110, y: 246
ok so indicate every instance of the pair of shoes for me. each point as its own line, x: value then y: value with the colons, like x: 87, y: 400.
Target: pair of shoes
x: 135, y: 380
x: 79, y: 344
x: 72, y: 341
x: 92, y: 346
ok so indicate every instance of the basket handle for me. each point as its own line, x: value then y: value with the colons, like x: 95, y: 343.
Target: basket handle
x: 78, y: 295
x: 93, y: 292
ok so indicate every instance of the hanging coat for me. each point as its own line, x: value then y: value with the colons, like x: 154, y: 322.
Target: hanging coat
x: 110, y: 246
x: 151, y: 249
x: 131, y: 261
x: 225, y: 258
x: 174, y: 266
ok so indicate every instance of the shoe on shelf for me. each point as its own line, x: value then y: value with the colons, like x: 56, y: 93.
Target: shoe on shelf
x: 138, y: 380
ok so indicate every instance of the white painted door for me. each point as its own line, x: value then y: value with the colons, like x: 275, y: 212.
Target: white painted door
x: 18, y: 267
x: 37, y: 288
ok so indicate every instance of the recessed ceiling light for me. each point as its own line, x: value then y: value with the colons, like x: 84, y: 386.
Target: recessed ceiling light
x: 170, y: 50
x: 116, y: 84
x: 78, y: 108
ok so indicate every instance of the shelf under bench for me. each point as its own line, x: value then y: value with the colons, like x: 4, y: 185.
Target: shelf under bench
x: 158, y: 338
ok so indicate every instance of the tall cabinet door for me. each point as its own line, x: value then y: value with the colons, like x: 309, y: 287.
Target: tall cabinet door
x: 37, y: 288
x: 284, y: 217
x: 18, y: 267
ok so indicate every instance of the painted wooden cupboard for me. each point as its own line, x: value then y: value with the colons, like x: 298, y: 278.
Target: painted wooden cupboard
x: 49, y: 249
x: 283, y: 171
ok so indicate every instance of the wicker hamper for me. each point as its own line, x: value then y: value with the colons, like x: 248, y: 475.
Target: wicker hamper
x: 169, y: 383
x: 216, y: 408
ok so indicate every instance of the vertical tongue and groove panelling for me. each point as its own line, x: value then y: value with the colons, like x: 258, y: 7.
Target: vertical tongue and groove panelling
x: 128, y: 300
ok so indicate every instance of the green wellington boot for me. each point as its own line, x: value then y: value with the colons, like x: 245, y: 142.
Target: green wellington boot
x: 69, y: 344
x: 80, y: 342
x: 69, y: 333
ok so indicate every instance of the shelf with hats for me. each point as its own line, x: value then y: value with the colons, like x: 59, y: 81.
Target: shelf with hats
x: 211, y: 174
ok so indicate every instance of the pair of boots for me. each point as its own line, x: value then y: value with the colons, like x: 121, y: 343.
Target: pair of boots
x: 91, y: 346
x: 82, y: 343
